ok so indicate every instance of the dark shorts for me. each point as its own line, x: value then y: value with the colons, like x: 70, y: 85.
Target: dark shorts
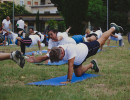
x: 92, y: 50
x: 19, y: 29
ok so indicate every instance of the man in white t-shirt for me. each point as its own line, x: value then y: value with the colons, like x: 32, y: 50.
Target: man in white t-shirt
x: 6, y: 25
x: 20, y: 25
x: 77, y: 54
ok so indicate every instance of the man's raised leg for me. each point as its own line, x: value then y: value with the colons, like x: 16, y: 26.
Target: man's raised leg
x: 105, y: 35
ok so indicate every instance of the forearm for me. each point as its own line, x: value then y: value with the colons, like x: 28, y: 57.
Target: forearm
x: 40, y: 59
x: 68, y: 30
x: 70, y: 69
x: 70, y: 72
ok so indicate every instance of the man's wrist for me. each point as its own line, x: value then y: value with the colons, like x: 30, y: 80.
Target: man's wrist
x: 69, y: 80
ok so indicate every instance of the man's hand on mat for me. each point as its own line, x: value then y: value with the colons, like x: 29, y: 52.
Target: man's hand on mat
x: 65, y: 82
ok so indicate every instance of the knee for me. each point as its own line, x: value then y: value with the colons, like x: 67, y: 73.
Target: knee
x: 78, y: 74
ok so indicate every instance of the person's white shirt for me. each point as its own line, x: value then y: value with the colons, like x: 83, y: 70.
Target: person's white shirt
x: 42, y: 36
x: 79, y: 51
x: 119, y: 37
x: 35, y: 39
x: 14, y: 35
x: 65, y: 40
x: 20, y: 24
x: 6, y: 25
x: 99, y: 33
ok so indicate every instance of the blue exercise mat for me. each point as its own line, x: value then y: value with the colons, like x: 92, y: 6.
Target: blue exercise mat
x: 30, y: 53
x: 56, y: 81
x: 54, y: 63
x: 113, y: 46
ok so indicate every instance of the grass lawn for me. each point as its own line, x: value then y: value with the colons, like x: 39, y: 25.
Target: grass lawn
x: 113, y: 84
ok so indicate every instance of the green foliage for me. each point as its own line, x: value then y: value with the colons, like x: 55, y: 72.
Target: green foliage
x: 118, y: 12
x: 37, y: 21
x: 96, y: 13
x: 52, y: 24
x: 61, y: 26
x: 6, y: 9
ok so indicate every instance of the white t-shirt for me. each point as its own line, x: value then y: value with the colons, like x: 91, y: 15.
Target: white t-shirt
x: 98, y: 32
x: 65, y: 40
x: 79, y: 51
x: 35, y: 39
x: 6, y: 25
x: 20, y: 24
x: 119, y: 37
x: 42, y: 36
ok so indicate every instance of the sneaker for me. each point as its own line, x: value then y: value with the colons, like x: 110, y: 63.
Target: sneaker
x: 117, y: 30
x: 121, y: 29
x: 18, y: 58
x: 95, y: 66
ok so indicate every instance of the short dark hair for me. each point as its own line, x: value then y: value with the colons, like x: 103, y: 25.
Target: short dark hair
x: 20, y: 17
x: 31, y: 28
x: 53, y: 30
x: 55, y: 54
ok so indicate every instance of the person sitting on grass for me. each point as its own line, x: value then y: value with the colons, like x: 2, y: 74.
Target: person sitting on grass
x: 16, y: 56
x: 77, y: 54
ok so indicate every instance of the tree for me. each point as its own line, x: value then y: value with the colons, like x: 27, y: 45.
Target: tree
x: 37, y: 21
x: 96, y: 13
x: 52, y: 24
x: 74, y: 13
x: 118, y: 12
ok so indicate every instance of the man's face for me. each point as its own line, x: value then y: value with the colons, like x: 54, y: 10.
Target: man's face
x: 30, y: 31
x: 8, y: 18
x: 52, y: 35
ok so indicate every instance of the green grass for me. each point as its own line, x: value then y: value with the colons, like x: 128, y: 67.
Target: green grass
x: 113, y: 84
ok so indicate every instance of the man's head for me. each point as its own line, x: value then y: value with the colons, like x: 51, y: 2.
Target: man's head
x: 31, y: 30
x: 7, y: 18
x: 52, y: 34
x: 87, y: 31
x: 20, y: 18
x: 56, y: 54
